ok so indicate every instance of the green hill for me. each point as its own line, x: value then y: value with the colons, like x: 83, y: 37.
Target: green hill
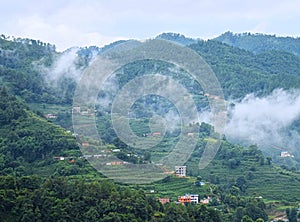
x: 254, y: 174
x: 29, y: 142
x: 240, y: 180
x: 241, y: 72
x: 259, y: 43
x: 35, y: 186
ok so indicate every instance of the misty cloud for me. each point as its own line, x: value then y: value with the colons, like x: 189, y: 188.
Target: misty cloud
x: 65, y: 66
x: 265, y: 121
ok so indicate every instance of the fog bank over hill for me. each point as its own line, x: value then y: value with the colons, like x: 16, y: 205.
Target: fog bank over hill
x: 266, y: 121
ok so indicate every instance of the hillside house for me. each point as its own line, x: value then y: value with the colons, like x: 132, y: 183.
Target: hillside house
x: 97, y: 156
x: 190, y: 134
x: 116, y: 150
x: 206, y: 200
x: 286, y: 154
x: 59, y: 158
x: 86, y: 156
x: 76, y: 109
x: 180, y: 171
x: 189, y: 198
x: 164, y: 200
x: 51, y: 116
x: 85, y: 144
x: 116, y: 163
x: 156, y: 134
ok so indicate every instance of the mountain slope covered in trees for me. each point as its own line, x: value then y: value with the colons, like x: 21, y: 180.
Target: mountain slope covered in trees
x: 259, y: 43
x: 236, y: 178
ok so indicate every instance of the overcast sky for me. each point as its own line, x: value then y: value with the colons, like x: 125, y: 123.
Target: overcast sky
x: 67, y: 23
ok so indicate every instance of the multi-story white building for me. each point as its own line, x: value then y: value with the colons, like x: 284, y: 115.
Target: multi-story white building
x: 189, y: 198
x: 180, y: 171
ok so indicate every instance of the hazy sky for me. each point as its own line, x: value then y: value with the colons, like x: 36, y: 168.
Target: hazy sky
x: 67, y: 23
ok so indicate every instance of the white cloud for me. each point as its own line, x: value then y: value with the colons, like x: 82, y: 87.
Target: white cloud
x: 62, y: 34
x: 264, y: 121
x: 91, y: 22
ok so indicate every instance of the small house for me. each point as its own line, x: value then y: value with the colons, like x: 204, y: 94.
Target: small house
x: 286, y: 154
x: 206, y: 200
x: 85, y: 144
x: 116, y: 150
x: 156, y: 134
x: 164, y: 200
x: 116, y: 163
x: 76, y: 109
x: 51, y: 116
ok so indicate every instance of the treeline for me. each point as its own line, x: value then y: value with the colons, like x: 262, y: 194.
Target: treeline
x: 241, y: 72
x: 26, y: 137
x: 259, y: 43
x: 60, y: 199
x: 20, y: 73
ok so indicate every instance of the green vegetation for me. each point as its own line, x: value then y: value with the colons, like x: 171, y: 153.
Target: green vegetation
x: 59, y: 199
x: 26, y: 138
x: 241, y: 72
x: 259, y: 43
x: 43, y: 176
x: 252, y: 173
x: 28, y: 145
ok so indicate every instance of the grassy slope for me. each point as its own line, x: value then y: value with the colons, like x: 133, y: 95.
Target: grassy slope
x: 269, y: 181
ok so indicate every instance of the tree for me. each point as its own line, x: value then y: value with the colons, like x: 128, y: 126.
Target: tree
x: 241, y: 183
x: 255, y: 212
x: 291, y: 214
x: 239, y: 213
x: 288, y: 212
x: 262, y: 161
x: 246, y: 218
x: 233, y: 163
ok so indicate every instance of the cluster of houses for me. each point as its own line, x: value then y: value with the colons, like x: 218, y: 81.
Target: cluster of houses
x: 87, y: 112
x: 72, y: 160
x: 96, y: 156
x: 61, y: 158
x: 286, y: 154
x: 158, y: 134
x: 51, y: 116
x: 75, y: 110
x: 212, y: 96
x: 187, y: 198
x: 180, y: 171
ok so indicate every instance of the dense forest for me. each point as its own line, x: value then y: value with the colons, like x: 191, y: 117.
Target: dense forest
x: 44, y: 177
x: 59, y: 199
x: 259, y: 43
x: 28, y: 142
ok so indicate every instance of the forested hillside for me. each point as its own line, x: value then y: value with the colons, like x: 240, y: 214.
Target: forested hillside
x: 241, y: 72
x: 36, y: 183
x: 45, y: 176
x: 27, y: 138
x: 259, y: 43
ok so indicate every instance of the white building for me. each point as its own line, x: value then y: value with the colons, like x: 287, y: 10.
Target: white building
x: 180, y: 171
x: 194, y: 198
x: 76, y: 109
x: 286, y: 154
